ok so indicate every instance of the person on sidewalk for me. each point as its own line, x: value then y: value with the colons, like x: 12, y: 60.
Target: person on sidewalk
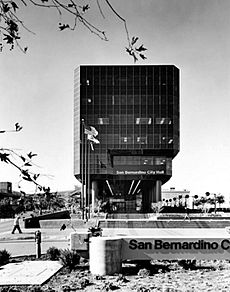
x: 16, y: 224
x: 187, y: 214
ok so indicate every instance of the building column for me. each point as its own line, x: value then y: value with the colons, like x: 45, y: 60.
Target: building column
x: 151, y: 193
x: 158, y: 191
x: 148, y: 197
x: 94, y: 193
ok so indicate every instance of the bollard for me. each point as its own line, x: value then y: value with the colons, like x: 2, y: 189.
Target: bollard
x: 38, y: 243
x: 105, y: 255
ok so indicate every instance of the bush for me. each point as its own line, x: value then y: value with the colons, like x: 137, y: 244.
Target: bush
x: 6, y: 211
x: 53, y: 253
x: 96, y: 231
x: 4, y: 257
x: 35, y: 289
x: 69, y: 259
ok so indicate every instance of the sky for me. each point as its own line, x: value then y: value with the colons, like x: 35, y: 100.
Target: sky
x: 36, y: 89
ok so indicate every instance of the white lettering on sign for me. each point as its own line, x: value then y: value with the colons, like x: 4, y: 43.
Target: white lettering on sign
x: 139, y: 172
x: 160, y: 244
x: 174, y: 248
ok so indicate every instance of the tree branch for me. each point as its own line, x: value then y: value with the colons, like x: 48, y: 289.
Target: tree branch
x: 11, y: 24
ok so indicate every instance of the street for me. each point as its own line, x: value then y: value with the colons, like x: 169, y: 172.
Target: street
x: 6, y: 225
x: 24, y: 244
x: 28, y: 247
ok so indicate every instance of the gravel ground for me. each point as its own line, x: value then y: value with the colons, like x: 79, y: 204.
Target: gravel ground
x: 157, y: 276
x: 160, y: 276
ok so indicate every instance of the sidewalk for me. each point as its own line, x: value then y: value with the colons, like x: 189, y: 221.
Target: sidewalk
x: 24, y: 244
x: 29, y: 234
x: 30, y: 272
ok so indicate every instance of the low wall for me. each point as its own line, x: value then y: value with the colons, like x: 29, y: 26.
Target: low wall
x: 73, y: 223
x: 35, y: 221
x: 107, y: 253
x: 170, y: 223
x: 128, y: 223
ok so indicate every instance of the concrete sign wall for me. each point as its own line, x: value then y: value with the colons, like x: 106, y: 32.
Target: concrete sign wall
x: 175, y: 248
x: 107, y: 253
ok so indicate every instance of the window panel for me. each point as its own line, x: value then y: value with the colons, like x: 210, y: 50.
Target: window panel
x: 103, y: 121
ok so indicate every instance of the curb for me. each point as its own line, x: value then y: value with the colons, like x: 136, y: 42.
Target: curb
x: 14, y: 239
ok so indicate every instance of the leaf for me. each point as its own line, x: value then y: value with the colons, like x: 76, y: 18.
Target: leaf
x: 13, y: 27
x: 134, y: 57
x: 4, y: 157
x: 5, y: 8
x: 30, y: 155
x: 14, y: 6
x: 141, y: 48
x: 85, y: 7
x: 129, y: 51
x: 28, y: 178
x: 63, y: 26
x: 27, y: 164
x: 25, y: 172
x: 8, y: 39
x: 134, y: 40
x: 18, y: 127
x: 46, y: 190
x: 36, y: 176
x: 23, y: 158
x: 142, y: 56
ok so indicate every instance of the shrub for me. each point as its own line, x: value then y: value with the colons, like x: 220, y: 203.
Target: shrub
x: 144, y: 272
x: 53, y: 253
x: 4, y: 257
x: 95, y: 230
x: 35, y: 289
x: 69, y: 259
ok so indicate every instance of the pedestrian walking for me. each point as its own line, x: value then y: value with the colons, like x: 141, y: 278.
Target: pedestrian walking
x: 16, y: 224
x: 187, y: 214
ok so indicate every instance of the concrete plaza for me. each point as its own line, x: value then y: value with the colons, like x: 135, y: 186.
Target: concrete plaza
x: 24, y: 244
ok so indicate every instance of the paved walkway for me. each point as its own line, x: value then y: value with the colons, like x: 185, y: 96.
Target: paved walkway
x: 37, y: 273
x: 28, y: 272
x: 29, y: 234
x: 24, y: 244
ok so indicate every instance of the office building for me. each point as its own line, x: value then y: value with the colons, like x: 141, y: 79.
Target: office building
x: 135, y: 109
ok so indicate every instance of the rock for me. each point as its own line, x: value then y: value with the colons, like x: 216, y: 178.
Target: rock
x: 144, y: 273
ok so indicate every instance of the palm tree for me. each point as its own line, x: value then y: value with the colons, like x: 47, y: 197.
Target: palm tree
x: 220, y: 199
x: 174, y: 199
x: 203, y: 200
x: 170, y: 200
x: 186, y: 200
x: 194, y: 200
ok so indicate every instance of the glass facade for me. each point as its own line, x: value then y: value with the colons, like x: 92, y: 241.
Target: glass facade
x: 135, y: 109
